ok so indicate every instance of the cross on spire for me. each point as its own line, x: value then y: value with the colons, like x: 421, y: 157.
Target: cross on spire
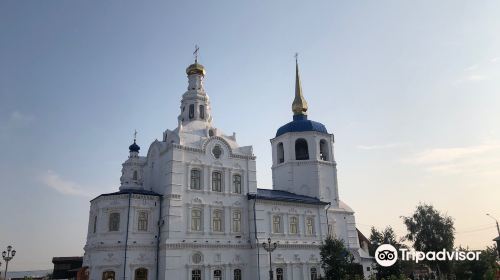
x: 135, y: 135
x: 195, y: 53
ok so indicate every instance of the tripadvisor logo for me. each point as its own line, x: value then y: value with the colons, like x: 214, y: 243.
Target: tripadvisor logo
x: 387, y: 255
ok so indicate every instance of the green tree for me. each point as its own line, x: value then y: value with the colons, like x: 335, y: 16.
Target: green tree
x: 484, y: 268
x: 387, y: 236
x: 430, y: 230
x: 337, y: 262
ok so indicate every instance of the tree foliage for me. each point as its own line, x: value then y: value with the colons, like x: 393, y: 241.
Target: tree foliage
x: 484, y: 268
x: 387, y: 236
x: 430, y: 230
x: 337, y: 262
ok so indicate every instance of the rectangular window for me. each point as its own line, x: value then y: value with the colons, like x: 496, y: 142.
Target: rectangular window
x: 114, y: 222
x: 236, y: 221
x: 276, y: 224
x: 217, y: 221
x: 195, y: 179
x: 196, y: 220
x: 143, y: 221
x: 217, y: 181
x: 237, y: 184
x: 310, y: 226
x: 294, y: 225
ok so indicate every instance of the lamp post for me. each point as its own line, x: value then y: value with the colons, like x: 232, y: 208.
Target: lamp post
x: 270, y: 248
x: 498, y: 228
x: 7, y: 256
x: 498, y: 237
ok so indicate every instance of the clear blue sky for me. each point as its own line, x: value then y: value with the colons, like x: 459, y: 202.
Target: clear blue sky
x: 409, y: 88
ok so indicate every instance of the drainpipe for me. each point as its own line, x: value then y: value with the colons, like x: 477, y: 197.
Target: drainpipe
x: 256, y: 238
x: 126, y: 237
x: 160, y: 224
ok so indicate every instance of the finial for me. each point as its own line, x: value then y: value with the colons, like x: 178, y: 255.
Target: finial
x: 299, y: 105
x: 135, y: 135
x: 195, y: 53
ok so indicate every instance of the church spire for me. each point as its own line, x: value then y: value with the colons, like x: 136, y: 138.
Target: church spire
x: 299, y: 105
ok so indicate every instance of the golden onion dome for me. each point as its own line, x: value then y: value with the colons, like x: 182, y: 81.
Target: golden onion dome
x: 195, y: 68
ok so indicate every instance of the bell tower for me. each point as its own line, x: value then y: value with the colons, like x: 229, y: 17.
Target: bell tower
x: 195, y: 104
x: 303, y: 161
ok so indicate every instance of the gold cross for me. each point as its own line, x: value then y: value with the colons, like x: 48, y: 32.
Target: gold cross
x: 195, y: 53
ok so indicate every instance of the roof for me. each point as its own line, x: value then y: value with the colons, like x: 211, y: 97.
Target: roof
x: 130, y: 191
x: 66, y: 259
x: 300, y: 123
x: 267, y: 194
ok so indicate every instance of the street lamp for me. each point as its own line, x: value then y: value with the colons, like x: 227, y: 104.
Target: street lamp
x: 7, y: 256
x: 498, y: 237
x: 270, y: 248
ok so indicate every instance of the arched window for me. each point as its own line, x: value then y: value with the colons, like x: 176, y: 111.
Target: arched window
x: 217, y: 221
x: 281, y: 153
x: 279, y: 274
x: 237, y: 183
x: 310, y: 225
x: 301, y: 149
x: 237, y: 274
x: 216, y: 181
x: 277, y: 224
x: 196, y: 274
x: 196, y: 220
x: 95, y: 224
x: 191, y: 111
x: 108, y: 275
x: 141, y: 274
x: 114, y: 222
x: 236, y: 221
x: 294, y: 225
x: 217, y: 274
x: 134, y: 177
x: 323, y: 150
x: 143, y: 221
x: 202, y: 112
x: 314, y: 273
x: 195, y: 179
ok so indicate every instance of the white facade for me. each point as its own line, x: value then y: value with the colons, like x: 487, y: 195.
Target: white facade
x: 191, y: 209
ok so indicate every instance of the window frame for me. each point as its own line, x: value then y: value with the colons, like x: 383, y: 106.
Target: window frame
x: 192, y: 178
x: 111, y: 223
x: 218, y: 216
x: 195, y: 218
x: 279, y: 223
x: 296, y: 224
x: 141, y: 269
x: 236, y: 220
x: 217, y: 181
x: 237, y: 274
x: 310, y: 230
x: 237, y: 184
x: 197, y: 276
x: 106, y: 277
x: 142, y: 224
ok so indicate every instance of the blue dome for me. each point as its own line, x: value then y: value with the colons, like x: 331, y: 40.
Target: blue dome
x: 134, y: 147
x: 300, y: 123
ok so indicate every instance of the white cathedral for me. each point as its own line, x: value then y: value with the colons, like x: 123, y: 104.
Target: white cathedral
x: 190, y: 209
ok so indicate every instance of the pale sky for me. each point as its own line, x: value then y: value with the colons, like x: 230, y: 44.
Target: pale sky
x: 411, y: 90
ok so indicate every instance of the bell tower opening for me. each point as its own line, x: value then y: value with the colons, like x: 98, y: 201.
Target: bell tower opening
x: 301, y: 149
